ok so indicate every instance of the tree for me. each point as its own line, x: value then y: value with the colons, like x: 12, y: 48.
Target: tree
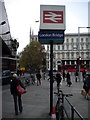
x: 32, y: 56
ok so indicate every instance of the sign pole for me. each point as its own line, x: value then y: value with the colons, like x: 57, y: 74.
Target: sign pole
x: 51, y: 76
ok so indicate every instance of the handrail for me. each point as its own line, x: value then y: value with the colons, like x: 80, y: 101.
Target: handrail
x: 73, y: 109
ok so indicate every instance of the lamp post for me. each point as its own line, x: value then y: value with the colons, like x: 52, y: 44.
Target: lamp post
x: 79, y: 46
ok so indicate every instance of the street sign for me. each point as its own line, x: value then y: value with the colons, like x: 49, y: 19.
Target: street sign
x: 45, y: 37
x: 52, y: 17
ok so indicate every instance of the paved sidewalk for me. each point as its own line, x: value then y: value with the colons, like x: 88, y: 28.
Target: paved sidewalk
x: 36, y: 100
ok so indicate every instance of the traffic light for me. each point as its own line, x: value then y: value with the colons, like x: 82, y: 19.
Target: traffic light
x: 79, y: 60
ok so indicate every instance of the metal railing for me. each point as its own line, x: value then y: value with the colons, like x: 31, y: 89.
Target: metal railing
x: 73, y: 111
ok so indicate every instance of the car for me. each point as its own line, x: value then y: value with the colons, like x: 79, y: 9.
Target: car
x: 6, y: 77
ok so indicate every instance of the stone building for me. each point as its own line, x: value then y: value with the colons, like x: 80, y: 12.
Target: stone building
x: 67, y: 53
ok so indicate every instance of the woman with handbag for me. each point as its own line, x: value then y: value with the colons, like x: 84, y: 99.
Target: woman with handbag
x: 86, y: 85
x: 17, y: 97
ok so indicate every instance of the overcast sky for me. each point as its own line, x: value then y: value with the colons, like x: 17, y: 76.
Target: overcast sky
x: 22, y: 15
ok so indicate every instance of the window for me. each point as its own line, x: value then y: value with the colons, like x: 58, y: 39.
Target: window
x: 58, y: 47
x: 47, y: 47
x: 81, y: 40
x: 67, y: 40
x: 62, y: 55
x: 72, y: 47
x: 72, y: 55
x: 54, y: 47
x: 82, y: 47
x: 62, y: 47
x: 67, y: 47
x: 87, y: 55
x: 67, y: 55
x: 72, y: 40
x: 58, y: 55
x: 77, y: 53
x: 86, y: 40
x: 86, y: 47
x: 82, y: 54
x: 76, y: 40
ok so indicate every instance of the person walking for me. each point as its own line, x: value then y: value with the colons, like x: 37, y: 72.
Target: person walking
x: 58, y: 79
x: 32, y: 78
x: 68, y: 79
x: 14, y: 82
x: 83, y: 75
x: 38, y: 76
x: 86, y: 85
x: 76, y: 76
x: 63, y: 75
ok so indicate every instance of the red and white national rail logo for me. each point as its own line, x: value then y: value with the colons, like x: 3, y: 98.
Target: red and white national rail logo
x: 53, y: 17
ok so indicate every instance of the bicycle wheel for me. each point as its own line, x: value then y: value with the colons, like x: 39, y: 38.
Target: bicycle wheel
x: 57, y: 111
x: 61, y: 113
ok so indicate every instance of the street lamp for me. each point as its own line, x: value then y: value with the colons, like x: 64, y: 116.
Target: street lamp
x: 79, y: 46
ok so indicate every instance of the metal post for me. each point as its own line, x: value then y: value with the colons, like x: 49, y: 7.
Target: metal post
x: 51, y: 77
x: 72, y: 113
x: 79, y: 48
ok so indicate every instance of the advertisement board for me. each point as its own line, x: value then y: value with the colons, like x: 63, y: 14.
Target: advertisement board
x: 52, y: 17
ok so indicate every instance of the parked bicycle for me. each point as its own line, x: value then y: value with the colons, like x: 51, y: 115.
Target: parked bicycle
x: 32, y: 79
x: 59, y: 108
x: 26, y: 81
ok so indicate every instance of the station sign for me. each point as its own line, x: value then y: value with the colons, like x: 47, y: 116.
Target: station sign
x: 52, y: 17
x: 45, y: 37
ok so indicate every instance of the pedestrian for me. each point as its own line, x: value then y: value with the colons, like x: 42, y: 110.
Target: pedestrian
x: 64, y: 75
x: 14, y: 82
x: 32, y: 78
x: 68, y: 79
x: 58, y: 79
x: 83, y: 75
x: 86, y: 85
x: 38, y: 75
x: 23, y: 72
x: 76, y: 76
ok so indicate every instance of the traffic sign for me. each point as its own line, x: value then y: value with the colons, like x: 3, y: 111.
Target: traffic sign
x: 52, y: 17
x: 46, y: 36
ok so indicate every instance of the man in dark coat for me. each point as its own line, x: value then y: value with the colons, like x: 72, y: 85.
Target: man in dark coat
x: 86, y: 85
x: 17, y: 98
x: 68, y: 79
x: 58, y: 79
x: 64, y: 75
x: 76, y: 76
x: 38, y: 75
x: 84, y: 74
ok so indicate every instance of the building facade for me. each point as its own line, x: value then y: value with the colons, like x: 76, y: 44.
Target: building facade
x: 67, y: 53
x: 8, y: 48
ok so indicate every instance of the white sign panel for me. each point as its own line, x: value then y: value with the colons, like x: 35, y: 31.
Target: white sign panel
x: 52, y: 17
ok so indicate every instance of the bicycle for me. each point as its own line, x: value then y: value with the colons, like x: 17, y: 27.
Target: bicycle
x: 26, y: 81
x: 59, y: 108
